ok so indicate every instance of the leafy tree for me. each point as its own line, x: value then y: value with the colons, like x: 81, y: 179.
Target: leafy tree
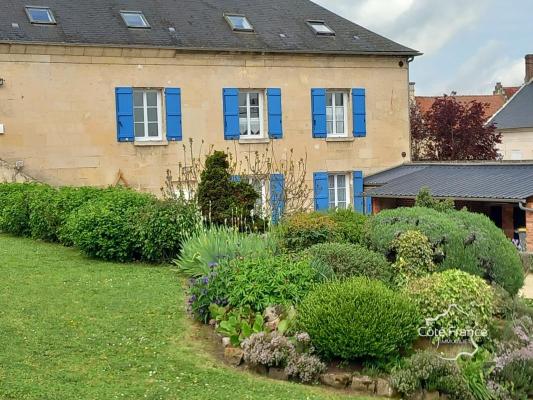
x: 425, y: 199
x: 222, y: 201
x: 451, y: 131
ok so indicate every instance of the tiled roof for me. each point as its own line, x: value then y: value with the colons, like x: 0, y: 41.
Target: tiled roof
x: 494, y: 102
x: 280, y: 26
x: 510, y: 90
x: 481, y: 181
x: 518, y: 112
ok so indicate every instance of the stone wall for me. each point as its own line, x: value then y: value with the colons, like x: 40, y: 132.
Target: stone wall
x: 12, y: 173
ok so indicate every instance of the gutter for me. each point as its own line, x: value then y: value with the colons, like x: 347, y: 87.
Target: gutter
x: 523, y: 207
x: 480, y: 199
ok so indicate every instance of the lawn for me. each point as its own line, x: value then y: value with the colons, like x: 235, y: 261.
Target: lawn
x: 73, y: 328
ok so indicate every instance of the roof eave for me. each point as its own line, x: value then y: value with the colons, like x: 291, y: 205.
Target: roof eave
x: 480, y: 199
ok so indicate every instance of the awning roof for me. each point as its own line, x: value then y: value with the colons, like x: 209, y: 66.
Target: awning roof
x: 498, y: 181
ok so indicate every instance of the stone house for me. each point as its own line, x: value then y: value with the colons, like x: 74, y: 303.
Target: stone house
x: 94, y: 90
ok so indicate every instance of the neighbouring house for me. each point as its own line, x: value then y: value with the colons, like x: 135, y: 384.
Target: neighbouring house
x: 95, y: 89
x: 514, y: 120
x: 501, y: 190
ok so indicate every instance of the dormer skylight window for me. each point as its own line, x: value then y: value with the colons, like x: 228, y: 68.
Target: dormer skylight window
x: 135, y: 19
x: 239, y: 23
x: 321, y: 28
x: 40, y: 15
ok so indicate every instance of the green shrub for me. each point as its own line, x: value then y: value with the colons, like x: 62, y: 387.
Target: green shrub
x: 414, y: 256
x: 358, y: 318
x: 213, y: 245
x: 106, y: 227
x: 15, y: 210
x: 527, y: 262
x: 206, y: 291
x: 350, y: 224
x: 475, y: 370
x: 424, y: 199
x: 303, y: 230
x: 347, y: 260
x: 468, y: 298
x: 467, y: 241
x: 162, y: 227
x: 426, y: 370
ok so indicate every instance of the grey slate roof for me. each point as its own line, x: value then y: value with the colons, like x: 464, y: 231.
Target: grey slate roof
x: 199, y: 25
x: 518, y: 111
x: 483, y: 181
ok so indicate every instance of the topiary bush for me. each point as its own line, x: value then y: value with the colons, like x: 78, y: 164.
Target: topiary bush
x: 350, y: 224
x: 106, y: 227
x: 347, y: 260
x: 414, y: 256
x: 468, y: 298
x: 463, y: 240
x: 303, y: 230
x: 358, y: 318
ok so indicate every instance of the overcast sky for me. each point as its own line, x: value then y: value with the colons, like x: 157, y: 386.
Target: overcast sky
x: 468, y: 45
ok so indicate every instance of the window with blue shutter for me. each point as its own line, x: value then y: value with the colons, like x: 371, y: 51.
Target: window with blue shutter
x: 318, y: 107
x: 275, y: 119
x: 369, y: 208
x: 235, y: 178
x: 231, y: 114
x: 358, y: 189
x: 277, y: 196
x: 359, y: 112
x: 173, y: 111
x: 321, y: 191
x: 124, y: 109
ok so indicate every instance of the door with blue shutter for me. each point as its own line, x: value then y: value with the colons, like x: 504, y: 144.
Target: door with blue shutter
x: 231, y: 114
x: 124, y: 110
x: 321, y: 191
x: 173, y: 112
x: 359, y: 112
x: 275, y: 122
x: 318, y: 109
x: 358, y: 189
x: 277, y: 196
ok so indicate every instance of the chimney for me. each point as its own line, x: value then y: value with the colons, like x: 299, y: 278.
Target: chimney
x: 412, y: 92
x: 529, y: 67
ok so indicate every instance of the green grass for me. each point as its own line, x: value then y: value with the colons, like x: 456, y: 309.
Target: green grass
x: 74, y: 329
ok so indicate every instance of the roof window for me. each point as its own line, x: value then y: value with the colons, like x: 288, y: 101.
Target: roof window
x: 239, y: 23
x: 40, y: 15
x: 321, y: 28
x: 135, y: 19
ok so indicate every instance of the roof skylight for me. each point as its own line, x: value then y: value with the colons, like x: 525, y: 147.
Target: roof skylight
x: 40, y: 15
x: 135, y: 19
x: 239, y: 23
x: 321, y: 28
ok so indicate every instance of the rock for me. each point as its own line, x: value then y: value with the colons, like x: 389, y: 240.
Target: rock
x: 363, y: 384
x: 226, y: 341
x: 384, y: 388
x: 272, y: 318
x: 258, y: 369
x: 431, y: 395
x: 233, y: 355
x: 338, y: 380
x: 278, y: 374
x: 212, y: 322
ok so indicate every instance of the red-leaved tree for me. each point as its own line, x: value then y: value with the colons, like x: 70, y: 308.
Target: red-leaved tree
x: 451, y: 131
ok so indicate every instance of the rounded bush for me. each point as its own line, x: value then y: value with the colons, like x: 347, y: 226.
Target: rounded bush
x: 463, y: 240
x: 358, y: 318
x: 15, y: 211
x: 350, y: 224
x: 106, y: 227
x: 303, y: 230
x: 466, y: 299
x: 414, y: 256
x: 347, y: 260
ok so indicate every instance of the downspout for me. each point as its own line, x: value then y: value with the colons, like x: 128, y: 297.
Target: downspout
x: 524, y: 208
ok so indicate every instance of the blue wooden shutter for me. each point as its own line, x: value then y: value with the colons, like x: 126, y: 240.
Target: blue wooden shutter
x: 318, y: 106
x: 275, y: 123
x: 277, y: 196
x: 231, y: 114
x: 321, y: 189
x: 173, y: 110
x: 359, y: 112
x: 124, y: 105
x: 369, y: 205
x: 358, y: 189
x: 235, y: 178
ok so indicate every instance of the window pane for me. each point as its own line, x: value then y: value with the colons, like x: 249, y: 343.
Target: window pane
x: 340, y: 127
x: 255, y: 126
x: 254, y: 99
x: 139, y: 130
x: 243, y: 124
x: 341, y: 195
x: 330, y: 127
x: 153, y: 130
x: 239, y: 22
x: 138, y: 98
x: 242, y: 99
x: 329, y: 113
x: 331, y: 181
x: 341, y: 205
x: 254, y: 112
x: 329, y: 99
x: 152, y: 114
x: 332, y: 195
x: 339, y: 99
x: 138, y: 114
x: 332, y: 205
x: 339, y: 113
x: 42, y: 15
x: 341, y: 181
x: 135, y: 20
x: 151, y: 99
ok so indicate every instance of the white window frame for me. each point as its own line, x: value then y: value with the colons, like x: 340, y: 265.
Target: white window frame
x: 51, y: 18
x: 234, y: 27
x: 263, y: 196
x: 145, y: 25
x: 147, y: 138
x: 336, y: 190
x: 346, y: 98
x: 261, y: 135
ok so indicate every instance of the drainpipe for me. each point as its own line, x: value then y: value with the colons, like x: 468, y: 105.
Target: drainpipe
x: 524, y: 208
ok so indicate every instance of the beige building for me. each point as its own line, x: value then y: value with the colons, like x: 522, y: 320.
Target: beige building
x: 86, y: 97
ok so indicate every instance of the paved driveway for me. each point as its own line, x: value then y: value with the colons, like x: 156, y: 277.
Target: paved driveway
x: 527, y: 291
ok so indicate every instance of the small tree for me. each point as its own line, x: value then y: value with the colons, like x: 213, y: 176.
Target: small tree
x: 425, y: 199
x: 222, y: 201
x: 451, y: 131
